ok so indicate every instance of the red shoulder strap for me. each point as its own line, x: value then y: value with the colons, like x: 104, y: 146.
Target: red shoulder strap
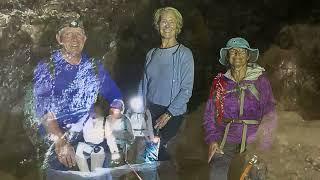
x: 215, y: 84
x: 218, y: 89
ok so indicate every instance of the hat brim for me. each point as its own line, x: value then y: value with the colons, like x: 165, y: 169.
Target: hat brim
x: 254, y: 54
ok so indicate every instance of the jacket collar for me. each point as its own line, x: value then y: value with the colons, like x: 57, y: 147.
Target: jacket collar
x: 254, y: 71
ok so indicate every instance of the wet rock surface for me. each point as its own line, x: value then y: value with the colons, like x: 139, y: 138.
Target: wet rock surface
x: 27, y: 34
x: 293, y: 66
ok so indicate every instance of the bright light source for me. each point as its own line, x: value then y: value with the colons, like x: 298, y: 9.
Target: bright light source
x: 136, y: 104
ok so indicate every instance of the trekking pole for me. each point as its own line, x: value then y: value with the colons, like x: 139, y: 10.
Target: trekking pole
x: 246, y: 171
x: 157, y: 134
x: 127, y: 163
x: 134, y: 171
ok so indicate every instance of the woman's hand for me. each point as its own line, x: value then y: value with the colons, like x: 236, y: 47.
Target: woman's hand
x: 213, y: 148
x: 65, y: 152
x: 162, y: 121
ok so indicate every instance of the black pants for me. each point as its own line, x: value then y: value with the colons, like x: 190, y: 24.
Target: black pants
x: 168, y: 131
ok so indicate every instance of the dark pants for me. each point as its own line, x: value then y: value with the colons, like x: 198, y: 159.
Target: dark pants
x: 220, y: 163
x: 168, y: 131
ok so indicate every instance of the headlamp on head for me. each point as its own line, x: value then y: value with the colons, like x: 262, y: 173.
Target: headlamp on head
x: 136, y: 104
x: 73, y: 22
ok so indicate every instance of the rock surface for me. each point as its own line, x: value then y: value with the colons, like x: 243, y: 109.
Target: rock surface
x: 120, y: 32
x: 294, y: 155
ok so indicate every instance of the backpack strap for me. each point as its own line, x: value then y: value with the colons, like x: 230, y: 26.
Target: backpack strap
x: 252, y: 88
x: 95, y: 64
x: 217, y: 93
x: 241, y: 90
x: 244, y: 131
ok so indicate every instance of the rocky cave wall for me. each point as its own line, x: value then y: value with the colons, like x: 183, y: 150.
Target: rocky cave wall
x: 120, y: 32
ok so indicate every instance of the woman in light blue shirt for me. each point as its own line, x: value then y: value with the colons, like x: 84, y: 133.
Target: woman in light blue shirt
x: 168, y: 78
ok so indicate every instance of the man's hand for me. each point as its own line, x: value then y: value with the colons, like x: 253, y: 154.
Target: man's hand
x: 65, y: 153
x: 162, y: 121
x: 213, y: 148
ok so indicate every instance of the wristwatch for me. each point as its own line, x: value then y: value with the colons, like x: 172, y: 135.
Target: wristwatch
x: 168, y: 114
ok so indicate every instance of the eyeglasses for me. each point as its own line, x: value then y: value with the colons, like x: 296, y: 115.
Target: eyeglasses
x: 240, y: 52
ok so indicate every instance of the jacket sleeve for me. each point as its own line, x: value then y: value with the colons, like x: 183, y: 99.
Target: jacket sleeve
x: 186, y: 84
x: 269, y: 117
x: 109, y: 89
x: 213, y: 132
x: 143, y: 83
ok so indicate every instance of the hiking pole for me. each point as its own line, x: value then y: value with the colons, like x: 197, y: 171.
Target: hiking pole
x: 157, y: 140
x: 246, y: 171
x: 127, y: 163
x: 134, y: 171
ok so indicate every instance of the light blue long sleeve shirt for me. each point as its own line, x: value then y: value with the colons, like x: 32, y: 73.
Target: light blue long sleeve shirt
x: 168, y: 78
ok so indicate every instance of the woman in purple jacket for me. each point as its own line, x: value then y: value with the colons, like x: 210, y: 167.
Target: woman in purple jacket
x: 240, y: 108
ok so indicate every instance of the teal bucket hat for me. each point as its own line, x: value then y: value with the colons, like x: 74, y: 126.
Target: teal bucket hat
x: 238, y: 42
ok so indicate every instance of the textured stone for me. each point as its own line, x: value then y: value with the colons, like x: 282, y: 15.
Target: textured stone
x: 120, y: 32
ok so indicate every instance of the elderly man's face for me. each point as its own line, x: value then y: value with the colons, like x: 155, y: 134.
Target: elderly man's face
x: 72, y: 39
x: 238, y: 57
x: 168, y: 25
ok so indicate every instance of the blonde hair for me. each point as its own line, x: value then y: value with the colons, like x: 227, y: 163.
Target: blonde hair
x: 160, y: 11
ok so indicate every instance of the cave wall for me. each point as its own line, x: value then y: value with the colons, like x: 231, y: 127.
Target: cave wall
x: 120, y: 32
x: 115, y: 30
x: 293, y: 65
